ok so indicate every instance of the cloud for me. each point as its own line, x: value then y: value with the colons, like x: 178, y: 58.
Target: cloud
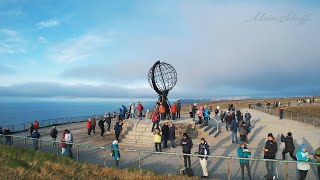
x: 76, y: 49
x: 48, y: 23
x: 6, y: 70
x: 11, y: 42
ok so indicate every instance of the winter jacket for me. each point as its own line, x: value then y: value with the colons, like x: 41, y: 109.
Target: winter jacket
x: 7, y: 132
x: 173, y: 109
x: 178, y: 106
x: 243, y: 131
x: 165, y: 130
x: 206, y: 113
x: 243, y: 153
x: 247, y: 116
x: 234, y: 126
x: 116, y: 152
x: 155, y: 116
x: 289, y: 145
x: 194, y: 109
x: 272, y: 147
x: 35, y: 135
x: 54, y: 133
x: 186, y: 148
x: 302, y: 158
x: 93, y: 122
x: 69, y: 138
x: 200, y: 113
x: 140, y: 107
x: 89, y: 124
x: 228, y: 119
x: 172, y: 133
x: 162, y: 109
x: 36, y: 124
x: 317, y: 153
x: 203, y: 150
x: 118, y: 128
x: 101, y: 123
x: 157, y: 138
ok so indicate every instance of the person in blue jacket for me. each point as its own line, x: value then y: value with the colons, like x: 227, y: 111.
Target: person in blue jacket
x: 206, y: 114
x: 234, y: 129
x: 244, y: 152
x: 115, y: 153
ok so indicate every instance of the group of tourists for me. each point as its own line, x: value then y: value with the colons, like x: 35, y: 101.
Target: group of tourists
x: 163, y: 135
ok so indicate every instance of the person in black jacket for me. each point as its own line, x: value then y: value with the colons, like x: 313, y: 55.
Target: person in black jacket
x: 117, y: 130
x: 172, y: 134
x: 108, y: 120
x: 101, y: 126
x: 35, y: 136
x: 7, y: 132
x: 204, y: 151
x: 165, y: 134
x: 289, y: 146
x: 194, y: 110
x: 187, y: 145
x: 54, y: 134
x: 270, y: 150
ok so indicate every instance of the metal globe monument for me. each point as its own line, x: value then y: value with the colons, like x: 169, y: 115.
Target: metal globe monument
x: 162, y: 78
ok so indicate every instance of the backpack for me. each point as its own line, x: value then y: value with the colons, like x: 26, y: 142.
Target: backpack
x: 141, y: 108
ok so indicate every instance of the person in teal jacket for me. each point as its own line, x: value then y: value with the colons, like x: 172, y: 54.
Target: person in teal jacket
x: 303, y: 158
x: 244, y: 152
x: 115, y: 153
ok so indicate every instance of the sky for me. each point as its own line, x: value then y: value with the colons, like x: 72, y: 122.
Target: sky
x: 104, y: 49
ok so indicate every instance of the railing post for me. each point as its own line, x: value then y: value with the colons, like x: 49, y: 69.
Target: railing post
x: 40, y: 144
x: 58, y: 144
x: 286, y: 171
x: 139, y: 160
x: 78, y: 151
x: 229, y: 173
x: 25, y: 143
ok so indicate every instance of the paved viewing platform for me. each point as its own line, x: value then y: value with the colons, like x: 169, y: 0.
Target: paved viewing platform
x: 220, y: 146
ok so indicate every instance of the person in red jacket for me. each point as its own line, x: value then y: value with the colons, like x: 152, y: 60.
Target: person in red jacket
x: 174, y: 111
x: 89, y: 126
x: 36, y: 125
x: 155, y: 118
x: 140, y: 109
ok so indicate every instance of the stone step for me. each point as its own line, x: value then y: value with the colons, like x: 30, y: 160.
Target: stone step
x: 144, y: 125
x: 140, y: 133
x: 147, y: 138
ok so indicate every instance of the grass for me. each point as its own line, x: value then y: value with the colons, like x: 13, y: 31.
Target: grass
x: 18, y: 163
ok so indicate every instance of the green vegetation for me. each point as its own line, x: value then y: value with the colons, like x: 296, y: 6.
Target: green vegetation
x: 18, y: 163
x: 312, y: 110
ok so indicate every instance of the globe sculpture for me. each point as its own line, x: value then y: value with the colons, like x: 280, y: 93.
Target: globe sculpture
x: 162, y: 78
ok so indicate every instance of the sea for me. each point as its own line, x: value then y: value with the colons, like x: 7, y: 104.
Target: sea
x: 15, y: 112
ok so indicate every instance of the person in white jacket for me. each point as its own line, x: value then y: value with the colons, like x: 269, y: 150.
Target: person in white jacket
x: 69, y: 142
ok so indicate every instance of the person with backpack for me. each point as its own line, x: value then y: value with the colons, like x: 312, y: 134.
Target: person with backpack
x: 270, y: 150
x: 89, y: 126
x: 101, y: 126
x: 234, y: 129
x: 117, y: 130
x: 140, y: 109
x: 204, y: 151
x: 7, y: 136
x: 303, y: 157
x: 54, y: 135
x: 289, y: 146
x: 157, y: 140
x: 35, y: 139
x: 244, y: 152
x: 187, y: 145
x: 115, y: 152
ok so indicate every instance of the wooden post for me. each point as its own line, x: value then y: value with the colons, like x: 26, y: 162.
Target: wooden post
x: 78, y: 151
x: 229, y: 173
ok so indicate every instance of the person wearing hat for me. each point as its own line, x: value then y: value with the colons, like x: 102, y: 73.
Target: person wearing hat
x: 54, y: 135
x: 244, y: 152
x: 187, y: 145
x: 165, y: 133
x: 303, y: 157
x: 270, y: 150
x: 204, y: 151
x: 115, y: 153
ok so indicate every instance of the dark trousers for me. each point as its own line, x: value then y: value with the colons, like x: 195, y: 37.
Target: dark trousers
x: 117, y: 162
x: 102, y: 131
x: 69, y: 149
x: 35, y: 144
x: 93, y: 129
x: 303, y: 174
x: 248, y: 170
x: 284, y: 152
x: 163, y: 116
x: 158, y: 146
x: 243, y: 138
x: 109, y: 124
x: 173, y: 116
x: 200, y: 120
x: 54, y: 139
x: 187, y: 160
x: 155, y: 123
x: 165, y: 141
x: 178, y: 113
x: 117, y: 136
x: 89, y: 130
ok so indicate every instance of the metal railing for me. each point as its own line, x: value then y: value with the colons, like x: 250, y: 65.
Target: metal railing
x: 219, y: 167
x: 301, y: 117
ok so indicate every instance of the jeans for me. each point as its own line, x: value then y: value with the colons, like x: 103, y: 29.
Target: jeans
x: 187, y: 160
x: 158, y: 146
x: 165, y: 141
x: 270, y: 168
x: 155, y: 123
x: 8, y: 141
x: 69, y: 149
x: 248, y: 170
x: 206, y: 119
x: 227, y: 126
x: 102, y: 131
x: 173, y: 116
x: 284, y: 152
x: 172, y: 143
x: 132, y: 116
x: 140, y: 115
x: 234, y: 137
x: 303, y: 174
x: 35, y: 144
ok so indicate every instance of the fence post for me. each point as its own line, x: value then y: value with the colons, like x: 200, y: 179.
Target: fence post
x: 25, y: 143
x: 58, y: 144
x: 139, y: 160
x: 78, y: 155
x: 229, y: 173
x: 40, y: 144
x: 286, y: 171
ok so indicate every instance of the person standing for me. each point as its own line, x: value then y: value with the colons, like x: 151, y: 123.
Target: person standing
x: 7, y: 136
x: 132, y: 111
x: 31, y: 128
x: 187, y: 145
x: 173, y: 111
x: 69, y: 142
x: 200, y: 114
x: 193, y: 111
x: 244, y: 152
x: 140, y: 109
x: 234, y: 129
x: 204, y: 151
x: 115, y: 152
x: 243, y: 132
x: 117, y: 130
x: 172, y: 134
x: 206, y: 115
x: 228, y: 120
x: 101, y: 126
x: 35, y: 139
x: 270, y: 150
x: 155, y: 118
x: 63, y: 145
x: 162, y: 111
x: 178, y: 109
x: 303, y: 157
x: 54, y: 135
x: 36, y: 125
x: 281, y: 112
x: 108, y: 120
x: 89, y: 126
x: 165, y: 134
x: 289, y: 146
x: 94, y: 124
x: 317, y: 156
x: 157, y: 140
